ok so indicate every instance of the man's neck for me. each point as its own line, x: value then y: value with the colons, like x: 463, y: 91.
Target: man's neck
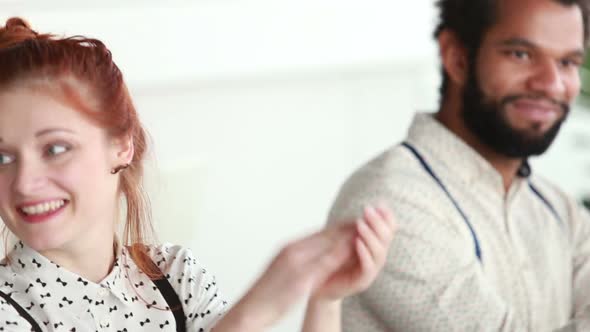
x: 507, y: 167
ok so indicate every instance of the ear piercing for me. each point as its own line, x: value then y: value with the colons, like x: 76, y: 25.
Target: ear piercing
x: 119, y: 168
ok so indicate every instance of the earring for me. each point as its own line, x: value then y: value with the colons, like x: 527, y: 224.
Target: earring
x: 119, y: 168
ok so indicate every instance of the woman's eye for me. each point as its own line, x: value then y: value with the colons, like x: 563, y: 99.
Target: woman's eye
x: 5, y: 159
x: 56, y: 149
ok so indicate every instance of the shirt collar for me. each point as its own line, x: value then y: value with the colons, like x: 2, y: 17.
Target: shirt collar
x: 25, y: 261
x: 443, y: 146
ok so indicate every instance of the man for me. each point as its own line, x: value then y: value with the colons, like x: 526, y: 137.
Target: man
x: 483, y: 243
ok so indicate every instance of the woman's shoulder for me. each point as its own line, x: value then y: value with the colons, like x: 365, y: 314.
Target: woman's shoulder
x: 174, y: 259
x: 196, y: 286
x: 169, y: 252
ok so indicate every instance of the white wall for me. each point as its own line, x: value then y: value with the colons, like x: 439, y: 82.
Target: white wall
x: 248, y: 166
x: 260, y: 109
x: 157, y: 41
x: 264, y: 159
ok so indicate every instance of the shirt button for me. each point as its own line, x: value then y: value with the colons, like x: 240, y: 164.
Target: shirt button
x: 105, y: 322
x: 103, y: 292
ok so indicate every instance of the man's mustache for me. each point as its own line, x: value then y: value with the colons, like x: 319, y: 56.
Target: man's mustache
x: 565, y: 107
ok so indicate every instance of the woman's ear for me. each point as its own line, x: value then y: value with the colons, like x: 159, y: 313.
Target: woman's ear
x: 123, y: 150
x: 453, y: 56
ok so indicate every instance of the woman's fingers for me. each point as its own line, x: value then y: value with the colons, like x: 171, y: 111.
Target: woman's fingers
x: 388, y: 216
x: 382, y: 221
x: 367, y: 264
x: 370, y: 240
x: 376, y: 230
x: 378, y: 223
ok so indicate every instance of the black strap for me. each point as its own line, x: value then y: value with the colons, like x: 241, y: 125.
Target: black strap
x: 546, y: 202
x: 442, y: 186
x: 172, y: 300
x: 163, y: 285
x: 21, y: 311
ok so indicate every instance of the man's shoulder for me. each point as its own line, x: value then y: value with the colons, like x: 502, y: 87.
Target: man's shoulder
x: 395, y: 166
x: 394, y: 177
x: 557, y: 197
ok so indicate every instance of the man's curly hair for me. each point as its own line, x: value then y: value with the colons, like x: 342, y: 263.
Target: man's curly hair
x: 469, y: 20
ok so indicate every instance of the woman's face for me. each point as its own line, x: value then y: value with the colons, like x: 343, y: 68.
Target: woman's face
x: 56, y: 189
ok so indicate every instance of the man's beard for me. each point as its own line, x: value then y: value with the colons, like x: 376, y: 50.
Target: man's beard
x: 487, y: 120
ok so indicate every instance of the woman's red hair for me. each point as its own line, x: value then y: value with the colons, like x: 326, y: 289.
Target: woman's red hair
x: 65, y: 66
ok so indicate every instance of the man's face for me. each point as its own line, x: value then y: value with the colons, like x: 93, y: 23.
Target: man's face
x: 524, y: 76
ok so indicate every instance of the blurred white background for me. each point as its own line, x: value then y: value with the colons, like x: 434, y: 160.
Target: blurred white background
x: 259, y: 110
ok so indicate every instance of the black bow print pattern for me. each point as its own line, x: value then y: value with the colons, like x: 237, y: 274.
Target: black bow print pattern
x: 54, y: 290
x: 63, y: 283
x: 34, y: 261
x: 66, y: 301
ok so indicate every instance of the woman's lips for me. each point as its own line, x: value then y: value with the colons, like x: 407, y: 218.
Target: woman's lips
x: 42, y: 211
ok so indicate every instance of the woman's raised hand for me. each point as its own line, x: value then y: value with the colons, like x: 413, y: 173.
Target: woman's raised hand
x: 328, y: 265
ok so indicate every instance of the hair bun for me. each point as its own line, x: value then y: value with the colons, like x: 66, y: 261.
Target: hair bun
x: 17, y: 23
x: 20, y: 26
x: 15, y: 31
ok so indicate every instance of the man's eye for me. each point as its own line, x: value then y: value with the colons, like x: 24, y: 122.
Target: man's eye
x: 569, y: 63
x: 523, y: 55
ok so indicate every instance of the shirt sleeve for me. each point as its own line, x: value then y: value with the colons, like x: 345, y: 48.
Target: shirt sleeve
x: 195, y: 286
x: 581, y: 275
x: 432, y: 280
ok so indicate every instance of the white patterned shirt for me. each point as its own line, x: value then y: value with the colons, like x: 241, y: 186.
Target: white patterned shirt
x: 126, y: 300
x: 534, y: 271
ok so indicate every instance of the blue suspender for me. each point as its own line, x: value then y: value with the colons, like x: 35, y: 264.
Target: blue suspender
x: 463, y: 215
x: 546, y: 202
x: 442, y: 186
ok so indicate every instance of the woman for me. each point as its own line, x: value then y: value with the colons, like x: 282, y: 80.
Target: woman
x: 71, y: 154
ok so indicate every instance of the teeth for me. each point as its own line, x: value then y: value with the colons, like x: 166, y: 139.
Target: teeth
x: 43, y: 207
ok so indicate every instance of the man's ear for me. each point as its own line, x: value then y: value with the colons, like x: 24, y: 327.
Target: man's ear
x: 453, y: 56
